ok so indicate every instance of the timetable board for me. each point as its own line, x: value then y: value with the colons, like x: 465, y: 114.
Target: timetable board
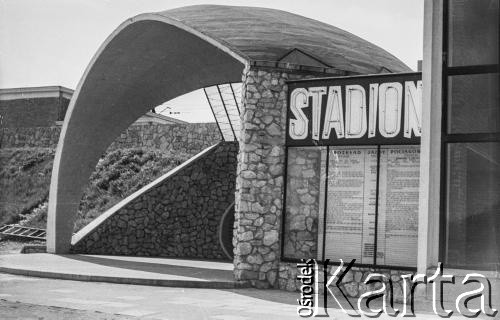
x: 398, y: 206
x: 351, y: 204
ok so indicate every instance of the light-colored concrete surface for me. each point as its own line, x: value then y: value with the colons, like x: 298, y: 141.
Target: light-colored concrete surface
x: 119, y: 269
x: 180, y: 299
x: 26, y: 311
x: 145, y: 302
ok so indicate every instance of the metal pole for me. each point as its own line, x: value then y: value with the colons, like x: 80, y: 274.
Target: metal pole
x: 215, y: 117
x: 235, y: 101
x: 227, y: 114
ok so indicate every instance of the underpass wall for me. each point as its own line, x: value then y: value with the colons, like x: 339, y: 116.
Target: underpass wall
x: 177, y: 215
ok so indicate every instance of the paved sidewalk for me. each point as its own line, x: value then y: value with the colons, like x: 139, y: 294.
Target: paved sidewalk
x: 191, y: 290
x: 160, y: 303
x: 120, y: 269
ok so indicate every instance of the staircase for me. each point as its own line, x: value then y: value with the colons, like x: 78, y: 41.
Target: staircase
x: 23, y: 232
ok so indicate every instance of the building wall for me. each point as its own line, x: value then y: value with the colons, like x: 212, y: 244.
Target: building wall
x: 178, y: 217
x: 33, y: 112
x: 303, y: 205
x: 259, y: 181
x: 30, y: 137
x: 190, y: 138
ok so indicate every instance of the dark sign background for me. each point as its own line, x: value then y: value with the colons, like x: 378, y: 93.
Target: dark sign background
x: 363, y: 81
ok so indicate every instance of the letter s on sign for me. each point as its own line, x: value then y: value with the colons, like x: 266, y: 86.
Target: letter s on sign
x: 299, y: 99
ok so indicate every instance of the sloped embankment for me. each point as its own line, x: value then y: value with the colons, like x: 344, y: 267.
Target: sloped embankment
x: 25, y: 180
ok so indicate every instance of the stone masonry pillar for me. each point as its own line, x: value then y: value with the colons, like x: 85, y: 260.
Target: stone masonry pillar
x: 260, y: 176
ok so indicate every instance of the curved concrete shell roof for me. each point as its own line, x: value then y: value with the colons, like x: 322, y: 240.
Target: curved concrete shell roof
x: 261, y: 34
x: 155, y: 57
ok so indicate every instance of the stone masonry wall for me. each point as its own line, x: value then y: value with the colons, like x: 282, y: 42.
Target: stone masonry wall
x: 352, y: 284
x: 300, y: 234
x: 32, y: 112
x: 260, y: 189
x: 179, y: 217
x: 190, y: 138
x: 259, y: 182
x: 30, y: 137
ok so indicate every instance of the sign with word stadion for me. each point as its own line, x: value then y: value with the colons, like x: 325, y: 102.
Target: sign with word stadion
x: 373, y: 109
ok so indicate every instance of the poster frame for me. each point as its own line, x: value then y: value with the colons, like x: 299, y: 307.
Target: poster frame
x: 378, y: 143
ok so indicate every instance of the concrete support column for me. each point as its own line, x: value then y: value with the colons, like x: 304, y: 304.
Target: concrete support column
x: 430, y: 155
x: 259, y: 182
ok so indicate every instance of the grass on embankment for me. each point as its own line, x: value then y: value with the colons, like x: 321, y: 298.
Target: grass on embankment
x: 25, y: 180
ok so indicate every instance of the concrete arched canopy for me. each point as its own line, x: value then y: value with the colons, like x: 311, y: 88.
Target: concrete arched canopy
x: 153, y: 58
x: 144, y: 63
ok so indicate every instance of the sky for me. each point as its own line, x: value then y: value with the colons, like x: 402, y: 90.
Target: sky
x: 51, y: 42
